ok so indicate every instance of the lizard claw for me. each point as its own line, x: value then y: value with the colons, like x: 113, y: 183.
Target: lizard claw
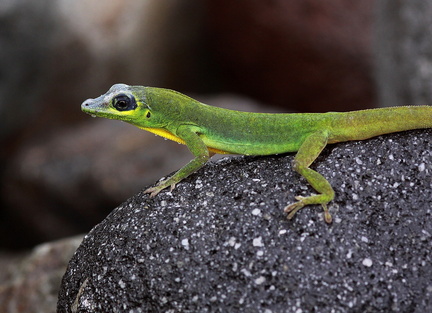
x: 294, y: 207
x: 302, y: 201
x: 153, y: 191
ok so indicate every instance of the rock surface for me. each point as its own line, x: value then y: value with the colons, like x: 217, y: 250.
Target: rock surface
x: 220, y: 242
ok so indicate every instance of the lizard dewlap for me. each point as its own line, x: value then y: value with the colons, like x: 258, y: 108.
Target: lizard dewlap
x: 206, y: 130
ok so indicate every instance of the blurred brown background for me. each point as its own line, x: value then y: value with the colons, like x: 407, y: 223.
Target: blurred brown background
x: 62, y: 171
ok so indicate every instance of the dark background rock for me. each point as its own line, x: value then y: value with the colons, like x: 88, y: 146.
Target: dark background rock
x: 220, y: 241
x: 306, y: 55
x: 404, y: 52
x: 56, y: 54
x: 29, y: 282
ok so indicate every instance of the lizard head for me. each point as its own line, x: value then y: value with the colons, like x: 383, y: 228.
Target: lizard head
x: 121, y: 102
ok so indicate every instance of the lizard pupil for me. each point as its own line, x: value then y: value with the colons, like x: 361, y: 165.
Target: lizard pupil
x: 122, y: 104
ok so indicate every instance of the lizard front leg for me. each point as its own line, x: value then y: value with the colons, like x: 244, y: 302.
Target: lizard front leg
x: 307, y: 153
x: 198, y: 149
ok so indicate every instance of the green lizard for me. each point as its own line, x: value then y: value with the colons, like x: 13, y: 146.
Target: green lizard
x: 207, y: 130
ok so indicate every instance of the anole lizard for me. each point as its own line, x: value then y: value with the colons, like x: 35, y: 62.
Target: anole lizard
x: 207, y: 130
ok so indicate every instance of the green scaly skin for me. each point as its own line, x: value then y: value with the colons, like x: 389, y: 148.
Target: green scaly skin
x: 207, y: 130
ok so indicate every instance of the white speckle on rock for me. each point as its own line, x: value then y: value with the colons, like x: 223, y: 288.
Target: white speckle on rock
x: 421, y: 167
x: 256, y: 212
x: 257, y: 242
x: 122, y: 284
x: 246, y: 272
x: 198, y: 184
x: 367, y: 262
x: 232, y: 241
x: 185, y: 243
x: 260, y: 280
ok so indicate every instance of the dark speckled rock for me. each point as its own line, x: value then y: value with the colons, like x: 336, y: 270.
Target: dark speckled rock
x: 220, y: 241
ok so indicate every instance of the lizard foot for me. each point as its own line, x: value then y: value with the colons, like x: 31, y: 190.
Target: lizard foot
x: 292, y: 208
x: 153, y: 191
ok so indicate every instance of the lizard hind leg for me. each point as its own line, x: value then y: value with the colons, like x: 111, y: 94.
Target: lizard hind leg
x: 307, y: 153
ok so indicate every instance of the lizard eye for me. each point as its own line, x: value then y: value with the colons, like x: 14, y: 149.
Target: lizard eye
x: 124, y: 103
x: 148, y: 114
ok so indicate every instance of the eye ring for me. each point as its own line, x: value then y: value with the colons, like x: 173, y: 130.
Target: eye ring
x: 123, y: 102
